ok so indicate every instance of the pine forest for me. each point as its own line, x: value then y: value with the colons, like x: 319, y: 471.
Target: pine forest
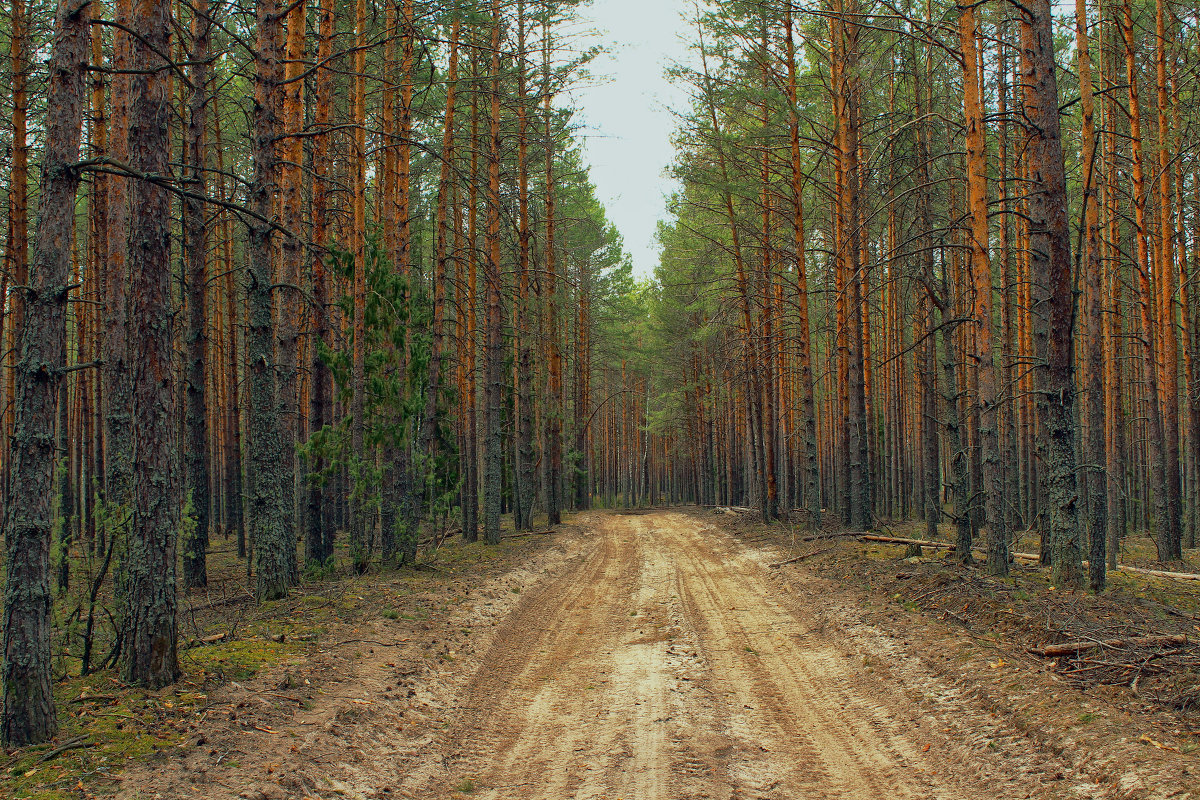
x: 315, y: 328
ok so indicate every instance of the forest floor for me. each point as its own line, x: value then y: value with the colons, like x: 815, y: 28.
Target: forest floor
x: 658, y: 655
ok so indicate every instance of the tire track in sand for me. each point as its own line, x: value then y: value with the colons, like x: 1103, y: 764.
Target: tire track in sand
x: 666, y: 665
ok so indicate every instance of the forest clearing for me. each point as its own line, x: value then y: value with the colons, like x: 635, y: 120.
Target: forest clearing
x: 349, y: 447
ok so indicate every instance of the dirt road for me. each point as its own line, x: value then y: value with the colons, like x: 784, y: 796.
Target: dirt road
x: 645, y: 657
x: 670, y: 664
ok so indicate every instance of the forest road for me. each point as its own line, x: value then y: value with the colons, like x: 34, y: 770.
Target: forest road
x: 670, y: 662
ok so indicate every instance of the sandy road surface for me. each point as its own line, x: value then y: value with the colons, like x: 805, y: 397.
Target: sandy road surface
x: 671, y: 664
x: 636, y: 657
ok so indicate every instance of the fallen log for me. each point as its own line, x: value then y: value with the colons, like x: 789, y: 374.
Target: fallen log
x: 1153, y: 573
x: 871, y: 537
x: 1071, y: 648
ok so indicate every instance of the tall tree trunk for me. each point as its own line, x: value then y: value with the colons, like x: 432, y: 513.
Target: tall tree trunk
x: 1168, y: 548
x: 1165, y: 270
x: 291, y: 256
x: 18, y: 210
x: 359, y: 551
x: 470, y: 498
x: 808, y: 415
x: 429, y: 426
x: 1050, y: 270
x: 117, y: 371
x: 268, y: 516
x: 493, y: 352
x: 1093, y: 476
x: 320, y: 519
x: 859, y: 487
x: 522, y: 310
x: 554, y: 403
x: 407, y: 473
x: 29, y: 715
x: 150, y: 625
x: 981, y: 269
x: 195, y: 246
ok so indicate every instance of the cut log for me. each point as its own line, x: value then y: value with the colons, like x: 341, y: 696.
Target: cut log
x: 1071, y: 648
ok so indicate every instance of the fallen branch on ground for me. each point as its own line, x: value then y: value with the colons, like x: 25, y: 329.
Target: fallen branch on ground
x: 1071, y: 648
x: 71, y: 744
x: 798, y: 559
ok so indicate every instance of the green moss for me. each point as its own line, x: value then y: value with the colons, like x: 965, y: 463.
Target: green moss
x: 117, y: 723
x: 238, y: 660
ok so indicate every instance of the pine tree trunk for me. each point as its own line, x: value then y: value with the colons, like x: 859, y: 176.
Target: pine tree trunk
x: 1053, y: 300
x: 859, y: 489
x: 359, y: 550
x: 291, y: 255
x: 268, y: 515
x: 28, y: 714
x: 1167, y: 547
x: 526, y: 455
x: 981, y: 270
x: 117, y: 371
x: 470, y: 494
x: 1171, y: 537
x: 195, y: 246
x: 320, y: 518
x: 1093, y: 475
x: 150, y: 625
x: 493, y: 444
x: 430, y: 422
x: 555, y: 406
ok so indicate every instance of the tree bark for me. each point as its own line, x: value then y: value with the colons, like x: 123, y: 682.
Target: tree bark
x: 268, y: 517
x: 195, y: 230
x: 29, y: 715
x: 981, y: 269
x: 1050, y: 270
x: 1093, y: 476
x: 150, y: 626
x: 493, y: 352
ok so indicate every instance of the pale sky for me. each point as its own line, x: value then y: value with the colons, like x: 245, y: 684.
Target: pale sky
x: 623, y: 111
